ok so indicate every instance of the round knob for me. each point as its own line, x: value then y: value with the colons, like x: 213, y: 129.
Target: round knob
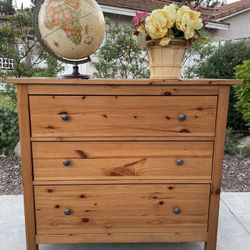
x: 66, y: 163
x: 67, y: 212
x: 65, y: 117
x: 179, y: 162
x: 182, y: 117
x: 177, y: 210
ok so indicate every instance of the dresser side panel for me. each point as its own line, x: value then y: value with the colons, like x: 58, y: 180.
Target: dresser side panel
x: 220, y: 134
x: 27, y: 172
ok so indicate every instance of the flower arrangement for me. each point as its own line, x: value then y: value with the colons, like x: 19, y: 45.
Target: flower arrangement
x: 171, y: 22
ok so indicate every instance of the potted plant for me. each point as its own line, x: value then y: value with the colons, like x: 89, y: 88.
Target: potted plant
x: 166, y: 33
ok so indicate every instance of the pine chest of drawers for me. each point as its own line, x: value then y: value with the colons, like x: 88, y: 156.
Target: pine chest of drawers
x: 122, y: 160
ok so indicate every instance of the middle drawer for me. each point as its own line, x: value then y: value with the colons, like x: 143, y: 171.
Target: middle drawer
x: 122, y: 160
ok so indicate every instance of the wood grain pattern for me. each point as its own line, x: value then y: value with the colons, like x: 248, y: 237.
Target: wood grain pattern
x: 121, y: 181
x: 97, y: 160
x: 95, y: 150
x: 123, y: 168
x: 120, y: 90
x: 57, y: 81
x: 114, y: 208
x: 123, y: 116
x: 121, y: 138
x: 27, y: 172
x: 121, y: 238
x: 217, y: 168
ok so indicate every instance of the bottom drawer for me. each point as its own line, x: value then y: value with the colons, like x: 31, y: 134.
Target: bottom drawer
x: 112, y: 209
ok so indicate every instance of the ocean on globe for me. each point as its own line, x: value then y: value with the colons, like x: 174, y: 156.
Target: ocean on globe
x: 71, y: 29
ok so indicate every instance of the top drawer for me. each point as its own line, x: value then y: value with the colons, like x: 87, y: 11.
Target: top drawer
x: 123, y: 115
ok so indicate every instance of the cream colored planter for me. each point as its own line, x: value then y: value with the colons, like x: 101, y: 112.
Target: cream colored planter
x: 166, y: 62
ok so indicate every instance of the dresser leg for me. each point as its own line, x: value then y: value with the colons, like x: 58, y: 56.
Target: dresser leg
x: 210, y: 245
x: 30, y: 245
x: 213, y: 220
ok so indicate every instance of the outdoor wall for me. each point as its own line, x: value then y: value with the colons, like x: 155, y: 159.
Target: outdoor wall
x: 239, y: 28
x: 119, y: 19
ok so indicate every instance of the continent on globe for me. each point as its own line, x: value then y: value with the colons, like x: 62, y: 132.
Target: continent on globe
x: 64, y: 14
x: 71, y: 30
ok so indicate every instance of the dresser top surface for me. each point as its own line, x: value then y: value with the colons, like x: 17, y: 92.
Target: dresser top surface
x: 129, y: 82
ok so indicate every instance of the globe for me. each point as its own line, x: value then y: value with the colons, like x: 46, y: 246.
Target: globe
x: 71, y: 30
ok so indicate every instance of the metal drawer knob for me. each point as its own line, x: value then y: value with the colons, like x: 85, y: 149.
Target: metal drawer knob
x: 66, y: 163
x: 177, y: 210
x: 182, y: 117
x: 65, y: 117
x: 180, y: 162
x: 67, y: 212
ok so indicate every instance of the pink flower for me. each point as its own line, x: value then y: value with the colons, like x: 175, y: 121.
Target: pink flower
x: 139, y: 18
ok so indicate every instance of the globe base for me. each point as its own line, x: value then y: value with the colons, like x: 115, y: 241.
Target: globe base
x: 75, y: 74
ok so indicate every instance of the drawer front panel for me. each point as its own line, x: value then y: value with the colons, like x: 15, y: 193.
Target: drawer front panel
x: 121, y: 208
x: 122, y: 160
x: 123, y: 115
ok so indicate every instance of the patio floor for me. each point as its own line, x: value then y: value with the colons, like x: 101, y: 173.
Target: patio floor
x: 234, y: 228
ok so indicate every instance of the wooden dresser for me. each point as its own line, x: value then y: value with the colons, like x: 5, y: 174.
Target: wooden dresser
x: 122, y: 160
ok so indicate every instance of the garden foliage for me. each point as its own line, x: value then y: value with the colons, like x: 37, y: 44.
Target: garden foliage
x: 243, y: 91
x: 6, y: 7
x: 17, y: 42
x: 231, y: 144
x: 8, y: 124
x: 120, y: 55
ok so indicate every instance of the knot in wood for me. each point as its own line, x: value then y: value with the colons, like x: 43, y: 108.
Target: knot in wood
x: 50, y: 190
x: 82, y: 196
x: 85, y: 220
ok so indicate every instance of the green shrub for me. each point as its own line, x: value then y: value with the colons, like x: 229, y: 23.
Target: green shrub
x: 245, y: 151
x: 8, y: 124
x: 243, y: 91
x: 231, y: 143
x: 120, y: 56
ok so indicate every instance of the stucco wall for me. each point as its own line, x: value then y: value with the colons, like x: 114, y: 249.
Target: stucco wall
x: 239, y: 28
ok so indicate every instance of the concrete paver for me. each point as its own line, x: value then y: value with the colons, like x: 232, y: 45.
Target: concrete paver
x: 12, y: 234
x: 231, y: 235
x: 233, y: 228
x: 239, y: 205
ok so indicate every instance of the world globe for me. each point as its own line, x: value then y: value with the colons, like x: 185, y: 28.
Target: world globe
x: 70, y: 30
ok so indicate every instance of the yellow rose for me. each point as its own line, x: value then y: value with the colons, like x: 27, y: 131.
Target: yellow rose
x: 160, y: 21
x: 188, y: 21
x: 165, y: 41
x: 171, y: 13
x: 157, y: 24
